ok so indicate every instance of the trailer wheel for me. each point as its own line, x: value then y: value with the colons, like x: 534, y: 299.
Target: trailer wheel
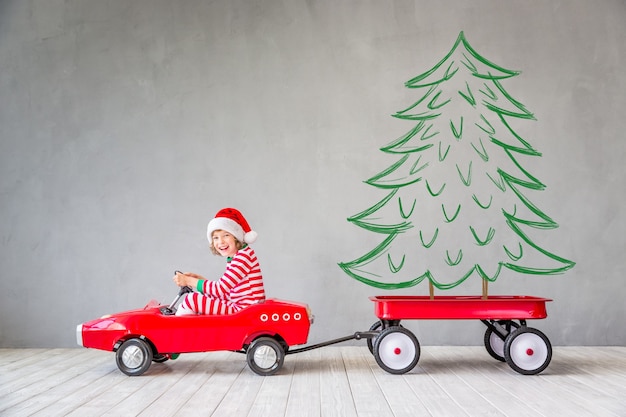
x: 396, y: 350
x: 134, y: 357
x: 373, y: 328
x: 265, y: 356
x: 370, y: 342
x: 527, y: 350
x: 494, y: 344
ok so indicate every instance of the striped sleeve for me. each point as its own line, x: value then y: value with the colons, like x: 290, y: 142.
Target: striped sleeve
x: 242, y: 282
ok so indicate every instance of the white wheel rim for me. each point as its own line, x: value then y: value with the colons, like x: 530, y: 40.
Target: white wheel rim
x: 528, y: 351
x: 497, y: 344
x: 265, y: 357
x: 396, y: 350
x: 132, y: 357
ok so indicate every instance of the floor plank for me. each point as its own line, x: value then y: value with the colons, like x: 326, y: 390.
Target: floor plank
x: 483, y: 374
x: 453, y: 375
x: 274, y: 393
x: 335, y: 390
x: 304, y: 394
x: 398, y: 391
x: 332, y: 381
x: 368, y: 398
x: 223, y: 371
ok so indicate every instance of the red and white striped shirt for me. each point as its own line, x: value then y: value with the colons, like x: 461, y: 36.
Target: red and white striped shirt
x: 242, y: 282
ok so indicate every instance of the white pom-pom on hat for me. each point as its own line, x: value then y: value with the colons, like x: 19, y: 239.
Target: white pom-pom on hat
x: 250, y: 237
x: 232, y: 221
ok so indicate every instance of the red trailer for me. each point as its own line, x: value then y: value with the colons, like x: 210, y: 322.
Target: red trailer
x: 507, y: 338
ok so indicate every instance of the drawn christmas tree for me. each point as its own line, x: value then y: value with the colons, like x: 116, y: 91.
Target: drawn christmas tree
x: 458, y: 195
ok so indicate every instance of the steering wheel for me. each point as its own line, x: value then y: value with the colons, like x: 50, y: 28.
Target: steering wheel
x: 170, y: 310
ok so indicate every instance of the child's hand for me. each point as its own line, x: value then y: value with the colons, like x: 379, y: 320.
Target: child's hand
x: 187, y: 279
x: 182, y: 280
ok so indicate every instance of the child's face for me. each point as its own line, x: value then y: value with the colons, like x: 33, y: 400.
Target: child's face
x: 224, y: 243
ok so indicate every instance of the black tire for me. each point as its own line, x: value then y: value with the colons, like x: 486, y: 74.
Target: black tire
x: 494, y: 344
x: 396, y: 350
x: 528, y: 351
x: 134, y: 357
x: 265, y: 356
x: 159, y: 358
x: 370, y: 342
x: 373, y: 328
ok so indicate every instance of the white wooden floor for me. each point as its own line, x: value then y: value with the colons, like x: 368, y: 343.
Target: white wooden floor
x: 331, y: 381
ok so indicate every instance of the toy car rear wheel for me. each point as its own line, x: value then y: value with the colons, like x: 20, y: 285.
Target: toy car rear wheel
x: 494, y: 344
x: 527, y: 350
x: 134, y: 357
x: 265, y: 356
x: 396, y: 350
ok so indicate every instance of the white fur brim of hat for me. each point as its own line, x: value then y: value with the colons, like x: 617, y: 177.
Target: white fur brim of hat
x: 232, y: 227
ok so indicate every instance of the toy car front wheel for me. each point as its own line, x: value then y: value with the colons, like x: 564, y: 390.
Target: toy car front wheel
x: 527, y: 350
x: 134, y: 357
x: 396, y: 350
x: 160, y: 358
x: 265, y: 356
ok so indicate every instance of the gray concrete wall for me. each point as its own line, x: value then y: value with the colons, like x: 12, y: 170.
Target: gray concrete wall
x: 125, y: 125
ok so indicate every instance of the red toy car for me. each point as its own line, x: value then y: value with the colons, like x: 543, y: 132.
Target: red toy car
x: 264, y: 332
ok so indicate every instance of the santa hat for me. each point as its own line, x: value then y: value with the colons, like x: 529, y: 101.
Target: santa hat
x: 232, y: 221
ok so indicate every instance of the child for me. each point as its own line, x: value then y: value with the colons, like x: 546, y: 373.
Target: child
x: 242, y: 283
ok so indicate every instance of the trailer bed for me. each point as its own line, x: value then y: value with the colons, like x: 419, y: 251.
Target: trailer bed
x: 495, y: 307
